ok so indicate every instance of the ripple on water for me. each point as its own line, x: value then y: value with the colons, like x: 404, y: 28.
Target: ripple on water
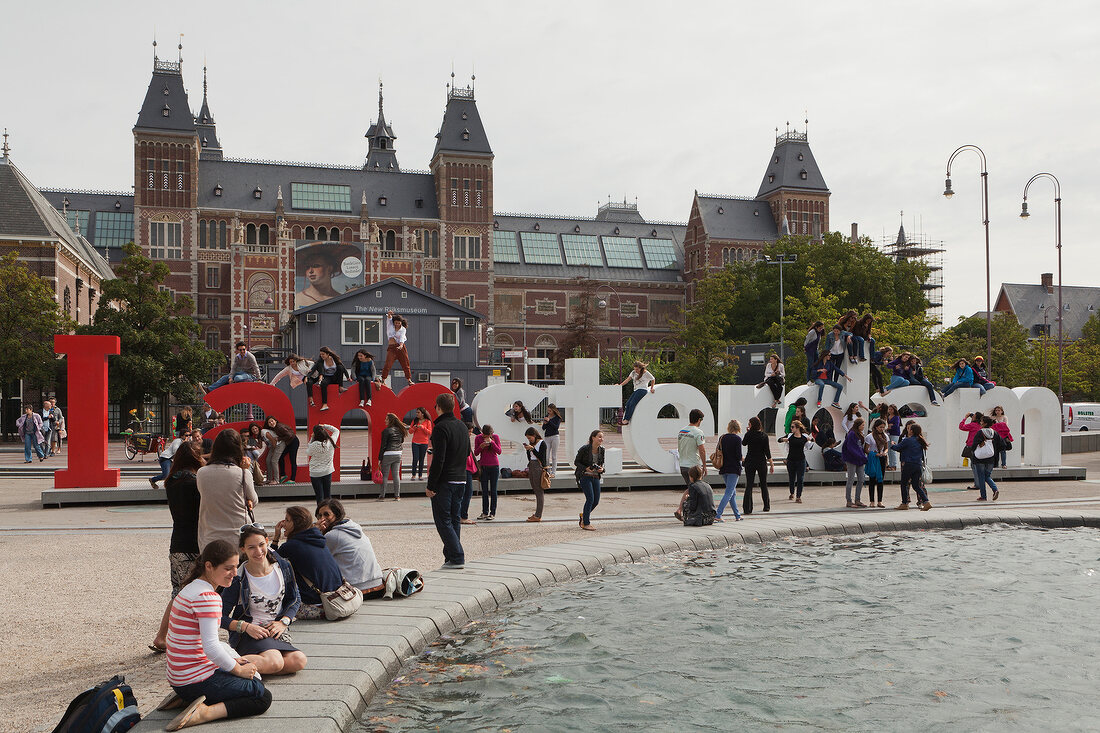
x: 981, y: 629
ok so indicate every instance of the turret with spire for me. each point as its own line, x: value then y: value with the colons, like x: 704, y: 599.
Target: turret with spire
x: 381, y: 155
x: 210, y: 148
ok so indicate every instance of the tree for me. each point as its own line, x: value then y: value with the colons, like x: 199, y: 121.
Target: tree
x: 1013, y: 357
x: 703, y: 359
x: 160, y: 350
x: 29, y: 319
x: 579, y: 337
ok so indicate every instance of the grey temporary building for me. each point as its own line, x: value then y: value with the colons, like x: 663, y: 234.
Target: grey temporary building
x: 442, y: 336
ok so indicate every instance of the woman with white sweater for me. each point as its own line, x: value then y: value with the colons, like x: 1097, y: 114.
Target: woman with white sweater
x: 351, y: 548
x: 321, y: 450
x: 775, y: 375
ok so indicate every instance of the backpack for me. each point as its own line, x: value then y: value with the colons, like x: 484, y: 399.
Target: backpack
x: 109, y: 707
x: 833, y: 461
x: 905, y: 411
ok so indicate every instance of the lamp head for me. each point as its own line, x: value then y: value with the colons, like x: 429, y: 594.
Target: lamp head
x: 601, y: 303
x: 1023, y: 211
x: 947, y: 192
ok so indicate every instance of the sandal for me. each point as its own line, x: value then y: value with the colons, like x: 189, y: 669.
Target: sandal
x: 184, y: 719
x: 157, y: 649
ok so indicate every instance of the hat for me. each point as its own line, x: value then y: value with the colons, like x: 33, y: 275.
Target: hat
x: 332, y: 251
x: 979, y: 357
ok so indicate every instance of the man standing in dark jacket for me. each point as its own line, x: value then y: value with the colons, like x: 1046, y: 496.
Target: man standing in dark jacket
x: 447, y: 478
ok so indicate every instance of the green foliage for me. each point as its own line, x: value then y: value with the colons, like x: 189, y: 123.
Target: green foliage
x: 849, y: 276
x: 1012, y: 355
x: 29, y: 319
x: 160, y: 350
x: 703, y: 359
x: 579, y: 332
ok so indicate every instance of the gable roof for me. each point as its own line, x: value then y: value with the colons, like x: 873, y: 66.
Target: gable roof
x: 1030, y: 303
x: 239, y: 178
x: 732, y: 218
x: 791, y: 159
x: 166, y: 91
x: 461, y: 130
x: 25, y: 212
x: 371, y: 287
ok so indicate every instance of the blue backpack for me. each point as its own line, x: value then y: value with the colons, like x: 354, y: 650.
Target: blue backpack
x: 109, y: 707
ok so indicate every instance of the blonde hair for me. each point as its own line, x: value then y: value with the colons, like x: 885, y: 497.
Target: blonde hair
x: 733, y: 427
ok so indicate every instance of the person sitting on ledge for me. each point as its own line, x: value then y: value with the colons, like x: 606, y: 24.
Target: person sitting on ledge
x: 351, y: 548
x: 699, y: 507
x: 206, y: 675
x: 260, y: 604
x: 315, y: 570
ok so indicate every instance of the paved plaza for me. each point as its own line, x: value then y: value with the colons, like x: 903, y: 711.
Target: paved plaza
x: 111, y: 563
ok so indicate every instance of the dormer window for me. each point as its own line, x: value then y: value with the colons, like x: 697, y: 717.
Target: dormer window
x: 465, y: 134
x: 464, y: 115
x: 420, y: 203
x: 381, y: 143
x: 166, y: 111
x: 166, y: 90
x: 218, y: 190
x: 496, y: 224
x: 576, y: 228
x: 721, y: 210
x: 381, y: 200
x: 537, y: 226
x: 756, y: 212
x: 803, y: 174
x: 257, y: 193
x: 776, y: 159
x: 616, y: 230
x: 771, y: 178
x: 118, y: 204
x: 800, y: 156
x: 653, y: 233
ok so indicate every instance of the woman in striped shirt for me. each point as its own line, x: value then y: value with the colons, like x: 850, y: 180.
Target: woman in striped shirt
x: 206, y: 674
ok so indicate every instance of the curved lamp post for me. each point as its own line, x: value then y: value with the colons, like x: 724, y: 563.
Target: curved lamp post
x: 602, y: 303
x: 1058, y: 246
x: 948, y: 193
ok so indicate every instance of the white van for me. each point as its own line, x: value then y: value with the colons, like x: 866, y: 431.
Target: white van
x: 1081, y: 416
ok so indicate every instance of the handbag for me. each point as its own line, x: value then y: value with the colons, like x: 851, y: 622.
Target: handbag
x: 925, y: 471
x: 716, y: 458
x: 544, y: 480
x: 340, y: 603
x: 401, y: 582
x: 365, y: 473
x: 968, y: 451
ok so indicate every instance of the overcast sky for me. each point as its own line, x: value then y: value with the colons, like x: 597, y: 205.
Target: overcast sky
x: 647, y: 100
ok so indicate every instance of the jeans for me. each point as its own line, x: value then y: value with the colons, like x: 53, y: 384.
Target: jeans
x: 897, y: 381
x: 876, y: 377
x: 326, y: 382
x: 811, y: 357
x: 241, y: 697
x: 446, y: 506
x: 873, y: 483
x: 856, y: 347
x: 165, y: 469
x: 288, y: 462
x: 984, y: 473
x: 892, y: 455
x: 1001, y: 458
x: 775, y: 384
x: 927, y: 385
x: 390, y: 466
x: 756, y: 470
x: 489, y: 477
x: 590, y: 485
x: 235, y: 376
x: 552, y: 442
x: 534, y: 475
x: 364, y: 388
x: 955, y: 385
x: 632, y: 402
x: 821, y: 389
x: 910, y: 477
x: 467, y: 496
x: 29, y: 443
x: 322, y: 487
x: 420, y: 454
x: 274, y: 462
x: 47, y: 440
x: 730, y: 497
x: 796, y: 474
x: 855, y: 475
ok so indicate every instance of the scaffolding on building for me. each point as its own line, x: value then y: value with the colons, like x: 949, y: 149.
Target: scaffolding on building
x: 928, y: 251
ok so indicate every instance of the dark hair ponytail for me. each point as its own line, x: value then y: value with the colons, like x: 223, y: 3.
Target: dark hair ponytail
x: 216, y: 553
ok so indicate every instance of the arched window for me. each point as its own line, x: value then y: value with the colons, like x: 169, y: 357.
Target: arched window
x: 322, y: 233
x: 221, y: 234
x: 264, y: 234
x: 503, y: 341
x: 309, y: 236
x: 391, y: 240
x: 295, y: 232
x: 261, y: 288
x: 545, y: 346
x: 212, y: 234
x: 250, y: 234
x: 202, y: 233
x: 334, y: 234
x: 435, y: 243
x: 347, y: 234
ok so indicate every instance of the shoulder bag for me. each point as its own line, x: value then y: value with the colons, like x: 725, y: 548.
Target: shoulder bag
x: 925, y: 471
x: 340, y: 603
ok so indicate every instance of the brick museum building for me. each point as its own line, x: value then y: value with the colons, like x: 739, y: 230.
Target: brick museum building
x: 252, y: 241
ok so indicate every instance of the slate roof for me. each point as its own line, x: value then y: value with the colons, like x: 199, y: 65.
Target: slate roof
x: 1030, y: 303
x: 461, y: 130
x: 239, y: 179
x: 568, y: 225
x: 737, y: 219
x: 206, y: 128
x: 25, y: 212
x: 370, y: 287
x: 166, y: 88
x: 785, y: 169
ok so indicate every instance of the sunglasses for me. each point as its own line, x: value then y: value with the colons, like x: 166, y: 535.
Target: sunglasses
x: 255, y: 525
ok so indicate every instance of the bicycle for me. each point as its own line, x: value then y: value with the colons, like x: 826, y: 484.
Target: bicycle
x: 140, y: 441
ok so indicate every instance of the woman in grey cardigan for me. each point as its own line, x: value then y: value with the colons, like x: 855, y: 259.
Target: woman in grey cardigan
x: 389, y: 454
x: 353, y: 551
x: 226, y: 491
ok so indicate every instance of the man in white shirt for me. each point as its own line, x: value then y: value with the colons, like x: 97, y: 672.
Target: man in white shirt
x: 396, y: 333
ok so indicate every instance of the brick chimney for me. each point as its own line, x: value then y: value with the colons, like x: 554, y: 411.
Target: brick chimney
x: 1047, y: 281
x: 855, y: 232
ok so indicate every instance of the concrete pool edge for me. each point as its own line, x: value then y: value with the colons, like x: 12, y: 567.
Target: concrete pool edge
x: 353, y: 660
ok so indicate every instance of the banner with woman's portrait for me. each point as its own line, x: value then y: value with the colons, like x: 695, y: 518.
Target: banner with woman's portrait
x: 323, y: 270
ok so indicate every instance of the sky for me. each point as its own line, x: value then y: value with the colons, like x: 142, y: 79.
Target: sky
x: 642, y: 100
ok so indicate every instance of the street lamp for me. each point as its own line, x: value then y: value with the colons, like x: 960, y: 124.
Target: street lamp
x: 780, y: 260
x: 525, y: 360
x: 948, y: 193
x: 1058, y: 245
x: 602, y: 303
x: 489, y: 334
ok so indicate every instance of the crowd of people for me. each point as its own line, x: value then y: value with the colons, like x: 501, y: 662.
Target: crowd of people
x: 43, y: 432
